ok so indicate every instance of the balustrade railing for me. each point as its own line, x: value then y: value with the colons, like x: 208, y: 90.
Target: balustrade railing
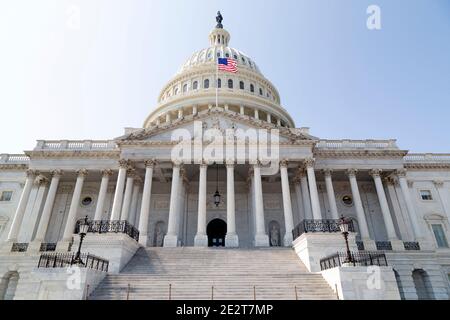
x: 360, y: 245
x: 19, y: 247
x: 107, y: 226
x: 358, y: 259
x: 76, y: 145
x: 46, y: 247
x: 411, y: 245
x: 384, y: 245
x: 356, y: 144
x: 325, y: 225
x: 63, y: 260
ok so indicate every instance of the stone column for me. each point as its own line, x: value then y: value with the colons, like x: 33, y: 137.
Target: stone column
x: 231, y: 238
x: 362, y: 222
x: 443, y: 195
x: 102, y: 194
x: 287, y: 205
x: 405, y: 231
x: 388, y: 222
x: 145, y: 205
x: 330, y: 194
x: 42, y: 183
x: 298, y: 194
x: 48, y: 207
x: 261, y: 238
x: 409, y: 204
x: 201, y: 239
x: 128, y: 193
x: 118, y: 195
x: 171, y: 238
x: 20, y: 211
x: 315, y: 204
x: 305, y: 195
x: 74, y: 205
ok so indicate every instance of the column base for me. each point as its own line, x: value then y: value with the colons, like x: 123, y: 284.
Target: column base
x: 369, y: 245
x: 288, y: 239
x: 34, y: 246
x: 397, y: 245
x: 231, y: 240
x: 6, y: 246
x: 143, y: 240
x: 261, y: 240
x: 170, y: 241
x: 63, y: 246
x: 201, y: 240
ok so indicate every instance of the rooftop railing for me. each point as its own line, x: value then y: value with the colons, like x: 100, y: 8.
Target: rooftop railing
x: 14, y: 159
x: 356, y: 144
x: 75, y: 145
x: 427, y: 157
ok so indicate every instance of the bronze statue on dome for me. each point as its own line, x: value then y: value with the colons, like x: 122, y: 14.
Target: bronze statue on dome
x: 219, y: 20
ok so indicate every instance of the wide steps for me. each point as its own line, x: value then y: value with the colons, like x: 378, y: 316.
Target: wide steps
x: 221, y: 274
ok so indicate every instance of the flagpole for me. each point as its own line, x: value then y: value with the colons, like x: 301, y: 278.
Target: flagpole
x: 217, y: 84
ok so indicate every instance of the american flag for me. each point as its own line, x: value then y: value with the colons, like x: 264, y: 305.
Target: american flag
x: 227, y: 64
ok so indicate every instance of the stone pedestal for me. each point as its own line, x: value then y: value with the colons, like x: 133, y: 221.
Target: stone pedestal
x: 369, y: 245
x: 288, y: 239
x: 117, y: 248
x: 201, y: 240
x: 261, y: 240
x: 6, y: 246
x: 397, y: 245
x: 312, y: 247
x: 170, y: 241
x: 231, y: 240
x: 363, y: 283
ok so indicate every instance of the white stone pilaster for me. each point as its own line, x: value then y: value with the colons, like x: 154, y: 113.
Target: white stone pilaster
x: 261, y: 238
x: 409, y: 204
x: 287, y: 205
x: 127, y: 197
x: 145, y: 205
x: 118, y: 195
x: 201, y: 239
x: 134, y: 201
x: 330, y: 194
x: 171, y: 238
x: 315, y: 204
x: 231, y: 238
x: 102, y: 194
x: 305, y: 195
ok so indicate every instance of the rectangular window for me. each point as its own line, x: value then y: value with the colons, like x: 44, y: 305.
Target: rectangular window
x: 426, y: 195
x: 6, y: 196
x: 439, y: 235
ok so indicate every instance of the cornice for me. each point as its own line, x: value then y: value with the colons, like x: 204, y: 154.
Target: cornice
x: 14, y: 166
x: 359, y: 153
x: 426, y: 166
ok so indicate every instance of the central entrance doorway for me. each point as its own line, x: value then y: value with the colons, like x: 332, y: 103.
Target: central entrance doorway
x: 216, y: 231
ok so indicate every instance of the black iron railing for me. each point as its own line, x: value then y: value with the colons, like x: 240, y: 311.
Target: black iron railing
x: 63, y: 260
x: 19, y: 247
x: 411, y: 245
x: 358, y: 259
x: 46, y: 247
x: 106, y: 226
x: 360, y: 245
x: 384, y: 245
x: 325, y: 225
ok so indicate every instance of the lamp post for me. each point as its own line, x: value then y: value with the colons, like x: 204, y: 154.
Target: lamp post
x: 217, y: 194
x: 344, y: 226
x: 84, y: 227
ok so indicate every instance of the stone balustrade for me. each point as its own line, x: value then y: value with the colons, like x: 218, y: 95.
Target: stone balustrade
x: 14, y: 159
x: 75, y: 145
x: 357, y: 144
x: 427, y: 157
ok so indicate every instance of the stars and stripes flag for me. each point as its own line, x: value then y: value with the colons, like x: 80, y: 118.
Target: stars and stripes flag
x: 227, y: 64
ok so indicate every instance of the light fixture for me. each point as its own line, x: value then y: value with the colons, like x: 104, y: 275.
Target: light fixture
x: 83, y: 230
x: 344, y: 227
x: 217, y: 194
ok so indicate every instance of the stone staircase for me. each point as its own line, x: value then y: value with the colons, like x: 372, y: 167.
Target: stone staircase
x: 214, y: 273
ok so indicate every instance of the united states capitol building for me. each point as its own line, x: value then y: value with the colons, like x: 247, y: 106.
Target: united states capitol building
x: 223, y: 227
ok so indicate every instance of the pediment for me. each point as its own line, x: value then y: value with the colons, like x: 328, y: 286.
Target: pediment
x: 222, y: 121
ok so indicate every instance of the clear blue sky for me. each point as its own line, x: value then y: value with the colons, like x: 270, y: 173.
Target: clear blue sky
x: 333, y: 74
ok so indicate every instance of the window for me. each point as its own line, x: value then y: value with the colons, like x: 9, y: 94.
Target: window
x: 185, y: 88
x: 6, y: 196
x: 206, y: 84
x: 241, y: 85
x: 439, y: 235
x: 243, y: 59
x: 218, y: 54
x: 227, y: 55
x: 175, y: 91
x: 195, y: 85
x: 230, y: 83
x: 347, y: 200
x: 252, y: 88
x: 86, y: 201
x: 235, y: 57
x: 260, y: 92
x: 219, y: 83
x: 426, y: 195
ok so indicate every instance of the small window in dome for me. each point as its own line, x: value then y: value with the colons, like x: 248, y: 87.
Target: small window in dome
x: 249, y: 63
x: 260, y: 91
x: 175, y: 91
x: 185, y: 87
x: 230, y: 83
x: 235, y: 57
x: 219, y: 83
x: 243, y: 59
x: 195, y: 85
x: 218, y: 54
x: 241, y: 85
x: 227, y: 55
x: 252, y: 88
x: 206, y: 84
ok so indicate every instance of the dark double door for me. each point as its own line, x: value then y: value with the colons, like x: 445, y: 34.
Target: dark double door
x: 216, y: 231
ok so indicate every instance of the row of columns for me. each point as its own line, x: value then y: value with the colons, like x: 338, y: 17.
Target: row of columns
x: 306, y: 185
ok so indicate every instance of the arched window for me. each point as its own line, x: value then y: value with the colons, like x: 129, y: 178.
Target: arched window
x: 175, y: 91
x: 422, y: 284
x: 195, y: 85
x: 219, y: 83
x: 227, y: 55
x: 252, y: 88
x: 230, y: 83
x: 235, y: 56
x: 206, y: 84
x: 185, y: 87
x: 260, y: 92
x: 241, y: 85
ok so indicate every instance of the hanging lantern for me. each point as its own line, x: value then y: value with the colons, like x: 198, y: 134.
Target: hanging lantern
x: 217, y: 194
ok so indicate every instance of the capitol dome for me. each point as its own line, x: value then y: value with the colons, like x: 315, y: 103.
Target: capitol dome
x: 194, y: 87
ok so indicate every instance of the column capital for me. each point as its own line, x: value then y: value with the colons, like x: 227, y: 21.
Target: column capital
x: 57, y: 173
x: 229, y: 163
x: 107, y: 173
x: 309, y: 162
x: 31, y: 173
x: 327, y: 172
x: 410, y: 183
x: 257, y: 164
x: 124, y: 163
x: 375, y: 172
x: 390, y: 181
x: 82, y: 173
x: 150, y: 163
x: 438, y: 183
x: 301, y: 172
x: 284, y: 163
x: 131, y: 171
x: 352, y: 172
x: 401, y: 173
x: 177, y: 164
x: 41, y: 180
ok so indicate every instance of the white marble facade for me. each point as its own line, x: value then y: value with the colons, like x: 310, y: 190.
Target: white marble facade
x: 383, y: 188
